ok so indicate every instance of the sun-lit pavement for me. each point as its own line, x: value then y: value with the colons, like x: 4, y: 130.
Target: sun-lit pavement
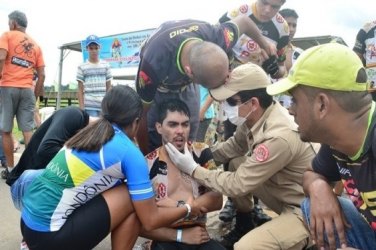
x: 9, y: 230
x: 10, y: 234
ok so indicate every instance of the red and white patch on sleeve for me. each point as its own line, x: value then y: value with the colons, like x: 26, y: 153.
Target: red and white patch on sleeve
x: 279, y: 18
x: 143, y: 80
x: 162, y: 190
x: 252, y: 45
x: 261, y: 153
x: 243, y: 9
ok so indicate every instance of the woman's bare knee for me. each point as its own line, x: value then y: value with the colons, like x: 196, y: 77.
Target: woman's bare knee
x: 119, y: 204
x: 125, y: 235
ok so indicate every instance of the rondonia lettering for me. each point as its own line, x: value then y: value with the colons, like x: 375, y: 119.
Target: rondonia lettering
x: 86, y: 193
x: 58, y: 171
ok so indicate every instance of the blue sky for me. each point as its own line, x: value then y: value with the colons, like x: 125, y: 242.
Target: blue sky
x: 53, y: 23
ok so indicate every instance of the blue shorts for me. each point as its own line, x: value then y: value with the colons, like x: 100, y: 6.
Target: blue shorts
x: 93, y: 113
x: 19, y: 187
x: 360, y: 235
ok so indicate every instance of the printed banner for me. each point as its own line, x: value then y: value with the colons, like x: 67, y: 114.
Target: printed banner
x: 120, y: 50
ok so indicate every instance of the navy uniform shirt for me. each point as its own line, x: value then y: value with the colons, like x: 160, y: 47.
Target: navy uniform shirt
x: 160, y: 66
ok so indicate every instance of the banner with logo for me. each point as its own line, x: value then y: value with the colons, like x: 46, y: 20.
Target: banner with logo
x: 120, y: 50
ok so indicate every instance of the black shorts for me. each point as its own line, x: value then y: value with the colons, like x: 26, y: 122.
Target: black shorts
x: 210, y: 245
x: 84, y: 229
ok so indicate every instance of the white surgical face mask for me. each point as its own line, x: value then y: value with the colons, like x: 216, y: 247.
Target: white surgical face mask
x: 232, y: 113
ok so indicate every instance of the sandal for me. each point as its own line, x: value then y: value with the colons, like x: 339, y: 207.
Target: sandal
x: 4, y: 174
x: 16, y: 148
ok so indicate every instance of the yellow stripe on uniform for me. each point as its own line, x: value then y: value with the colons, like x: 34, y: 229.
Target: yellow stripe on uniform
x: 78, y: 170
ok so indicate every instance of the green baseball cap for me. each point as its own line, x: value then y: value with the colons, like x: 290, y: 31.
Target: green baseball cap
x: 330, y: 66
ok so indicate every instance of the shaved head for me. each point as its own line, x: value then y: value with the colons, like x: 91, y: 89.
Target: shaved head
x: 209, y: 64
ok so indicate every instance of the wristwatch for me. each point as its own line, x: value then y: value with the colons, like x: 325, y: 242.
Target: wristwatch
x: 187, y: 206
x: 180, y: 203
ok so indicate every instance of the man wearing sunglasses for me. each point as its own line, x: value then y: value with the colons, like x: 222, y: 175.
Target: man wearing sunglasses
x: 264, y: 13
x: 267, y: 159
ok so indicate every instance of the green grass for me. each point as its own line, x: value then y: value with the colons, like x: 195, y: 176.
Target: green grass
x: 16, y: 132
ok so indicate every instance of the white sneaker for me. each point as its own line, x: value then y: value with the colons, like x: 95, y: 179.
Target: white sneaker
x: 24, y: 246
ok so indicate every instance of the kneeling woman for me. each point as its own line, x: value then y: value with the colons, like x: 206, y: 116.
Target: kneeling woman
x: 97, y: 184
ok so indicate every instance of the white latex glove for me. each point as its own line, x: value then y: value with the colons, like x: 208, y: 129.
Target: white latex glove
x: 184, y: 161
